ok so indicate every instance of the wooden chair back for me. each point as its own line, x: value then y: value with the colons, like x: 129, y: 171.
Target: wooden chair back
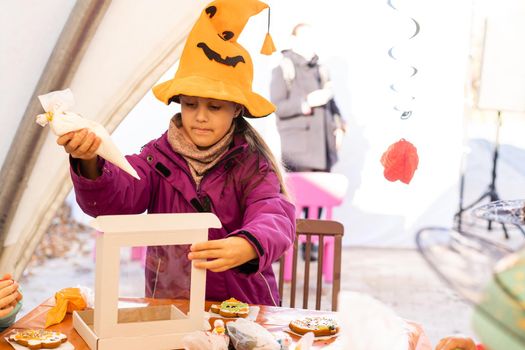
x: 321, y: 229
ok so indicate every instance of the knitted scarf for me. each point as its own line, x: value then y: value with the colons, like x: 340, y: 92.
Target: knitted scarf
x: 199, y: 161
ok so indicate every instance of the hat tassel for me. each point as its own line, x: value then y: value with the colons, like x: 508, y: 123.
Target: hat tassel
x: 268, y: 46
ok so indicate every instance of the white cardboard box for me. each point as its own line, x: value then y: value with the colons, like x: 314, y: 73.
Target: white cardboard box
x: 100, y: 327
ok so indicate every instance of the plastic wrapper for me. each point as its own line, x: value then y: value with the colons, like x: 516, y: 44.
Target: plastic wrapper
x: 88, y: 294
x: 61, y: 120
x: 284, y: 340
x: 248, y: 335
x: 205, y: 341
x: 306, y: 342
x: 363, y: 317
x: 66, y: 300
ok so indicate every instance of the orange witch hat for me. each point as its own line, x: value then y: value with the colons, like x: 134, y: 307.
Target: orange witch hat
x: 214, y: 65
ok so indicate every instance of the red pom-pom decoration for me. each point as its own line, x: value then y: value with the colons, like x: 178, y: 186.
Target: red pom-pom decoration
x: 400, y: 161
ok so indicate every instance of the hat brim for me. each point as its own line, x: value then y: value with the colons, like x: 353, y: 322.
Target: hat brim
x: 256, y: 105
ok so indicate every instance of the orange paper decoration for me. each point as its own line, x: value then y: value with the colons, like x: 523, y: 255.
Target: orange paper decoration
x: 400, y: 161
x: 66, y: 300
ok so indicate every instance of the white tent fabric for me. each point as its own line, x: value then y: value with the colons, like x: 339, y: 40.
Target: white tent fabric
x: 133, y: 45
x: 28, y: 33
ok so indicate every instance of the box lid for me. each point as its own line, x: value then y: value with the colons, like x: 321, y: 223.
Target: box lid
x: 163, y: 222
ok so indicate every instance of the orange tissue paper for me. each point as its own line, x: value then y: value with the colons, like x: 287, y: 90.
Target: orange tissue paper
x: 66, y: 300
x: 400, y: 161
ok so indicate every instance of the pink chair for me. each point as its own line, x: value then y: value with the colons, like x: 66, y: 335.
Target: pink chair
x: 314, y: 190
x: 137, y: 253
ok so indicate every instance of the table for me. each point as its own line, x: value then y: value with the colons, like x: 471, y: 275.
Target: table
x: 272, y: 318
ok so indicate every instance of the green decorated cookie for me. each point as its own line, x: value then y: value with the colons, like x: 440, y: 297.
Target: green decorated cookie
x: 234, y: 308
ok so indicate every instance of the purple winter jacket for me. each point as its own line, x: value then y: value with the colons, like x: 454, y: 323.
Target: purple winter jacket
x: 241, y: 190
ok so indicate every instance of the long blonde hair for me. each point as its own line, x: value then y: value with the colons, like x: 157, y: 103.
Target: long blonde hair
x: 257, y: 144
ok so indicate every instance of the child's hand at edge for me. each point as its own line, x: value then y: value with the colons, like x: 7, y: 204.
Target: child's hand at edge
x: 456, y: 343
x: 9, y: 295
x: 222, y: 254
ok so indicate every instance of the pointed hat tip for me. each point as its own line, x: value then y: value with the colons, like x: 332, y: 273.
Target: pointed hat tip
x: 268, y: 46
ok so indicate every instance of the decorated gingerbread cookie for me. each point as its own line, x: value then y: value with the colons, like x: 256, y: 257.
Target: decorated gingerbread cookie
x: 320, y: 326
x: 38, y: 338
x: 231, y: 308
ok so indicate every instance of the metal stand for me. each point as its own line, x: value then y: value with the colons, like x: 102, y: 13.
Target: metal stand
x: 490, y: 193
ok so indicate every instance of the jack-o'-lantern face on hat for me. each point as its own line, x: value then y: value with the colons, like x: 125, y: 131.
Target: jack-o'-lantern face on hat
x: 214, y: 65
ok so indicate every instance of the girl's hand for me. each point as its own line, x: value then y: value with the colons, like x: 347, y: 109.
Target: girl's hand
x: 222, y: 254
x: 9, y: 295
x: 81, y: 144
x: 8, y: 276
x: 456, y: 343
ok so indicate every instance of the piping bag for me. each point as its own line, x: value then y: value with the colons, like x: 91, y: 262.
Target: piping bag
x: 57, y: 105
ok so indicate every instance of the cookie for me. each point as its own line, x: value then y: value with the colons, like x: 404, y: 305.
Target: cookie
x: 320, y: 326
x: 231, y: 308
x: 38, y: 338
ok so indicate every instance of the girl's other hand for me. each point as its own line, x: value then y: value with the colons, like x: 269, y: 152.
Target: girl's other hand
x: 222, y: 254
x: 81, y: 144
x: 9, y: 295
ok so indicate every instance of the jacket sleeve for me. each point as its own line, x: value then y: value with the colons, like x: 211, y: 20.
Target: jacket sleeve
x: 288, y: 103
x: 115, y: 191
x: 269, y: 218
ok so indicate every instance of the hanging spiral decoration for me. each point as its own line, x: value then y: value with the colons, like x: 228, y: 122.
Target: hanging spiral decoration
x: 405, y: 110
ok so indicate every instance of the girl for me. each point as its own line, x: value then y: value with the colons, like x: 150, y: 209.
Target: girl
x: 209, y: 160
